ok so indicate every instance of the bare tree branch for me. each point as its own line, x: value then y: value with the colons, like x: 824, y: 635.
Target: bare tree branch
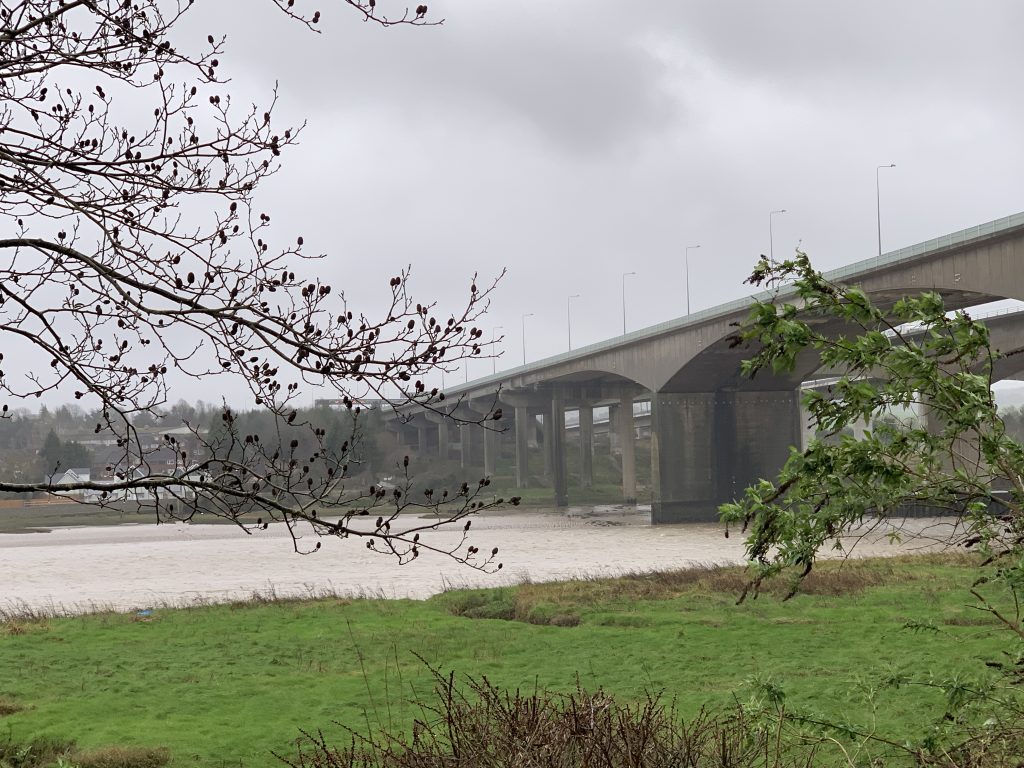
x: 135, y: 252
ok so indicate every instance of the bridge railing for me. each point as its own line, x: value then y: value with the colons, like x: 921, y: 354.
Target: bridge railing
x: 987, y: 229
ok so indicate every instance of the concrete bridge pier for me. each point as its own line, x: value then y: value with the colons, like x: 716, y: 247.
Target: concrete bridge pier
x: 405, y: 436
x: 586, y: 412
x: 421, y: 437
x: 524, y: 423
x: 483, y: 434
x: 683, y: 460
x: 627, y: 444
x: 492, y: 446
x: 554, y: 442
x: 443, y: 442
x: 613, y: 430
x: 529, y: 435
x: 964, y: 452
x: 544, y: 437
x: 469, y: 439
x: 767, y: 427
x: 707, y: 447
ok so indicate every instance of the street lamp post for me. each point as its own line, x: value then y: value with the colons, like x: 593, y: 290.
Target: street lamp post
x: 878, y: 203
x: 494, y: 357
x: 771, y: 234
x: 528, y: 314
x: 624, y: 276
x: 568, y: 316
x: 687, y: 259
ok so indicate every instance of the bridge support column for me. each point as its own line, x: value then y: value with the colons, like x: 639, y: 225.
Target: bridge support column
x: 546, y: 445
x: 627, y: 437
x: 706, y: 448
x: 469, y: 441
x: 586, y: 445
x: 421, y: 438
x: 401, y: 435
x: 491, y: 446
x: 554, y: 438
x: 964, y: 453
x: 523, y: 426
x: 683, y: 460
x: 442, y: 439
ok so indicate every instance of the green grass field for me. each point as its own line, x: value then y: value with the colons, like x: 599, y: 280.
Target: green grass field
x: 225, y: 685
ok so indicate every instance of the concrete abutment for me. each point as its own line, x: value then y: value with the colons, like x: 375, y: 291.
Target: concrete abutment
x: 706, y: 448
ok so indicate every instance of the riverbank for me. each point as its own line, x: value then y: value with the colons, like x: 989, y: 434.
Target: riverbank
x: 48, y: 514
x: 225, y: 685
x: 44, y: 515
x: 83, y: 569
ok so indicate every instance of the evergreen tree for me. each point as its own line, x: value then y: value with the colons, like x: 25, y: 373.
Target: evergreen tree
x: 51, y: 453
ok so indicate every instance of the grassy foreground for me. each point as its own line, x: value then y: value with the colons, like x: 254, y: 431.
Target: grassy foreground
x: 225, y: 685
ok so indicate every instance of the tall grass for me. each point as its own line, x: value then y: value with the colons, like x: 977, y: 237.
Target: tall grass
x: 477, y: 725
x: 19, y: 615
x: 560, y: 603
x: 47, y: 752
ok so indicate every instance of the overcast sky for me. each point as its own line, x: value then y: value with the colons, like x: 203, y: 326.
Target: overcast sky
x: 573, y: 141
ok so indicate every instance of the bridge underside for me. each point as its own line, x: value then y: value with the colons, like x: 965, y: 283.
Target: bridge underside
x: 712, y: 431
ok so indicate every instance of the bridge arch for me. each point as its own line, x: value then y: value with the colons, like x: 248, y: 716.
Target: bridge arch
x: 714, y: 430
x: 718, y: 431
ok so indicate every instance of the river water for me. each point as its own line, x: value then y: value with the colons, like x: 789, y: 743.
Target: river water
x: 136, y: 566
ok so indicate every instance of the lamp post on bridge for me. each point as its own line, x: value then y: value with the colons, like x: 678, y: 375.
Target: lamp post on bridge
x: 624, y: 276
x: 687, y: 260
x: 878, y: 203
x: 568, y: 316
x: 494, y: 357
x: 528, y: 314
x: 771, y: 234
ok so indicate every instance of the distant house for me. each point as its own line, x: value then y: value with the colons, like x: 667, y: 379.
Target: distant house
x: 141, y: 495
x: 346, y: 403
x: 153, y: 453
x: 69, y: 477
x: 76, y: 475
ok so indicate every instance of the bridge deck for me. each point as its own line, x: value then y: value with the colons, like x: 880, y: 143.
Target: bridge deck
x: 1005, y: 225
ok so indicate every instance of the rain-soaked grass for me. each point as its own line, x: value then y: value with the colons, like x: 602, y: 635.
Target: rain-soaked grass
x: 225, y: 685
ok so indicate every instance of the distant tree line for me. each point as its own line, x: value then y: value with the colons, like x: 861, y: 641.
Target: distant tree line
x: 34, y: 446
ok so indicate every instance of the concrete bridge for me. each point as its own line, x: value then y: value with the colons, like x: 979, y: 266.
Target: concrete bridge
x: 713, y: 431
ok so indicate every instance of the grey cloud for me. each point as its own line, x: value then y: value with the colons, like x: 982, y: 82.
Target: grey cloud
x: 926, y: 47
x: 573, y: 141
x: 570, y: 77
